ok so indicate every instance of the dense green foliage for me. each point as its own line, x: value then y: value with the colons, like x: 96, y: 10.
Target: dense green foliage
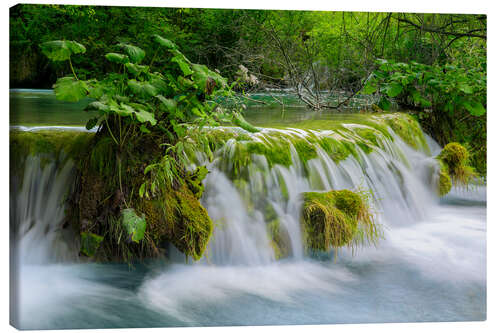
x: 449, y: 100
x: 143, y: 116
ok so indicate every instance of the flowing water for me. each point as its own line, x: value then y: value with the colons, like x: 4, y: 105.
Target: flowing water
x: 430, y: 266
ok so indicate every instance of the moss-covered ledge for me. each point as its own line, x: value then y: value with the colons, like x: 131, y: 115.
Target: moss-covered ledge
x: 95, y: 209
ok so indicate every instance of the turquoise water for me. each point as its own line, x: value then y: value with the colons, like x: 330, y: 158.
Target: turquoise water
x: 431, y: 266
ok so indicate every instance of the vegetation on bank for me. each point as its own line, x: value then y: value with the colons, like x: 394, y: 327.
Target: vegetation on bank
x: 134, y: 190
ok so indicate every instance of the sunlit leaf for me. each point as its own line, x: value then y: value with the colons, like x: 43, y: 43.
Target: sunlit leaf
x: 465, y: 88
x: 134, y: 225
x: 135, y: 69
x: 70, y: 89
x: 169, y: 103
x: 143, y: 89
x: 145, y: 116
x: 394, y: 89
x: 475, y: 108
x: 136, y: 54
x: 145, y: 130
x: 164, y: 42
x: 60, y: 50
x: 117, y: 57
x: 183, y: 65
x: 370, y: 87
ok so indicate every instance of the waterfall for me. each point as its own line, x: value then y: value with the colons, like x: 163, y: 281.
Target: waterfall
x: 401, y: 180
x: 433, y: 251
x: 253, y: 181
x: 38, y: 211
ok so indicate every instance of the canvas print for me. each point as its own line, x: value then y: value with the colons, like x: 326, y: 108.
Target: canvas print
x: 208, y: 167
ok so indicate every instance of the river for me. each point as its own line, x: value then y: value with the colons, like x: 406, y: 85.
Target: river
x: 430, y: 266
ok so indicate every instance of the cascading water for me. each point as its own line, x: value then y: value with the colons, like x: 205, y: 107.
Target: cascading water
x: 433, y: 251
x: 400, y: 179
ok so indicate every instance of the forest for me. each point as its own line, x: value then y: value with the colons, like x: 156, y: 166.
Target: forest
x: 432, y: 65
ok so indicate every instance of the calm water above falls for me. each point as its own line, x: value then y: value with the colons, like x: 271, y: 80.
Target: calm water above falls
x: 431, y: 266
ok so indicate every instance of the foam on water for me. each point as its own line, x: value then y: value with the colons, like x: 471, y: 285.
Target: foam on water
x: 431, y: 265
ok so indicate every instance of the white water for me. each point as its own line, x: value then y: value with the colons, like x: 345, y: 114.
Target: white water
x: 431, y: 266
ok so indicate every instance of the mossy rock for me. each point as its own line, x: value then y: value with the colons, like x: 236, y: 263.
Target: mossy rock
x: 444, y: 182
x: 325, y: 224
x: 337, y: 218
x: 51, y: 146
x: 454, y: 162
x: 408, y: 129
x: 454, y: 155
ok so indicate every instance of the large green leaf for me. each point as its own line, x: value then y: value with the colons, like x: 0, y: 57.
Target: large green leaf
x: 70, y: 89
x: 142, y: 89
x: 134, y: 225
x: 164, y: 42
x: 96, y: 89
x: 158, y: 81
x: 145, y: 116
x: 394, y: 89
x: 60, y: 50
x: 125, y: 110
x: 475, y: 108
x: 384, y: 104
x: 117, y: 57
x: 89, y: 243
x: 183, y: 65
x: 97, y: 106
x: 169, y: 103
x: 370, y: 87
x: 135, y: 53
x: 200, y: 75
x: 465, y: 88
x: 136, y: 69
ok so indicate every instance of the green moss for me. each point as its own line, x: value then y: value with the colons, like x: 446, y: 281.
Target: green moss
x: 238, y: 120
x: 194, y: 181
x: 193, y: 227
x: 367, y: 134
x: 348, y: 202
x: 50, y: 146
x: 334, y: 148
x: 305, y: 150
x: 454, y: 155
x: 283, y: 188
x: 407, y: 129
x: 90, y: 243
x: 102, y: 156
x: 337, y: 218
x: 366, y: 148
x: 444, y: 182
x: 454, y: 160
